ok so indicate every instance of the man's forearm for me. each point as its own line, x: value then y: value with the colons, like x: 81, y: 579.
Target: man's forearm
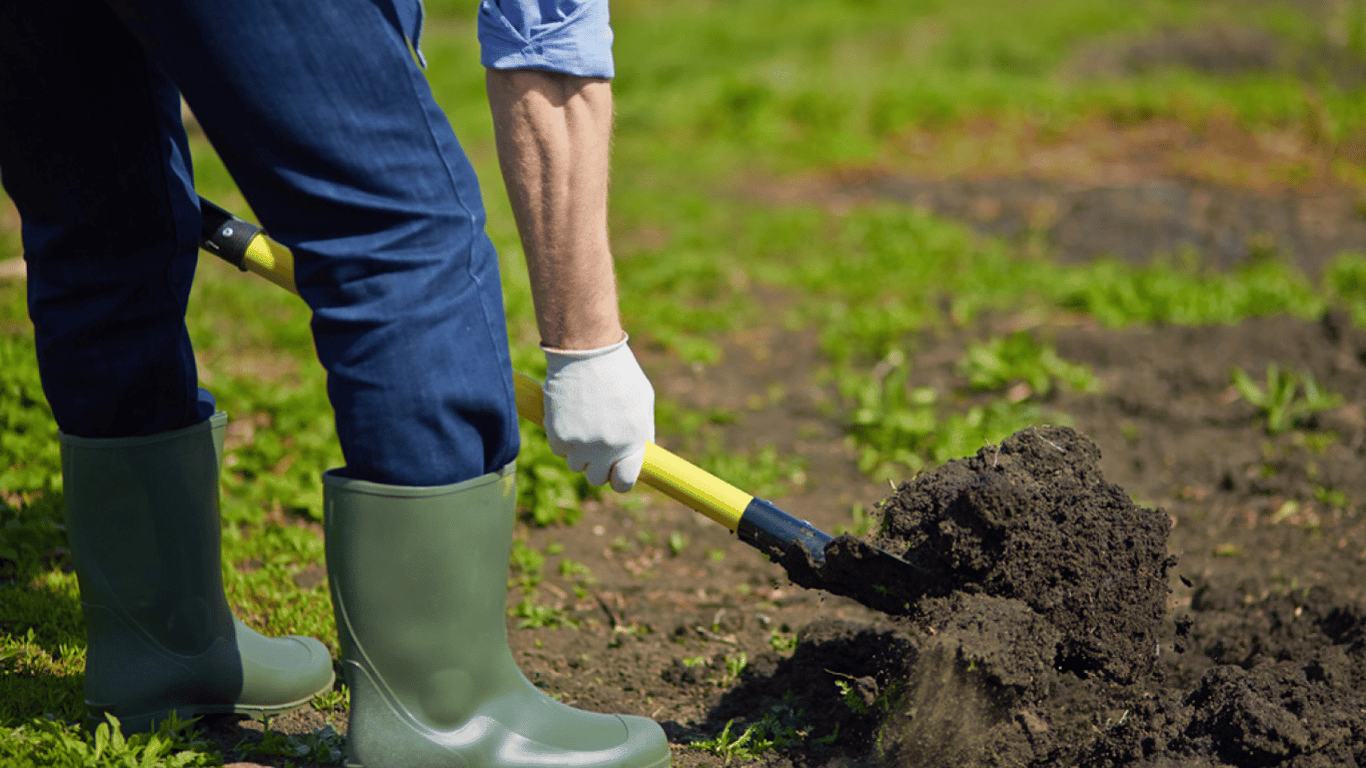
x: 553, y: 132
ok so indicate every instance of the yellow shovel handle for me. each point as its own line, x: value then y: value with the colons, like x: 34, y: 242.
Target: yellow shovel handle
x: 667, y: 473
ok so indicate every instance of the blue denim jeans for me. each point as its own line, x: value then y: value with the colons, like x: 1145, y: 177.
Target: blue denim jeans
x: 326, y: 122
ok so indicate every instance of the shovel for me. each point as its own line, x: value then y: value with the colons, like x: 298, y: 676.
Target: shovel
x: 842, y: 565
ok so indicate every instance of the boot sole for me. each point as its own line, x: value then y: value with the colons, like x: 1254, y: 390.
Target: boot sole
x: 148, y: 721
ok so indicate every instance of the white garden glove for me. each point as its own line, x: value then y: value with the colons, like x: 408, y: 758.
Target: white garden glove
x: 599, y: 412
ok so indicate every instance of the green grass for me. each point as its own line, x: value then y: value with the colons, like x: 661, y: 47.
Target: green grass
x: 779, y: 728
x: 48, y: 743
x: 27, y: 431
x: 1017, y: 360
x: 710, y: 97
x: 901, y: 430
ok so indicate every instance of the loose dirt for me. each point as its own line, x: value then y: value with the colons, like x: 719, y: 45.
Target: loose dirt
x: 1033, y: 520
x: 1030, y: 520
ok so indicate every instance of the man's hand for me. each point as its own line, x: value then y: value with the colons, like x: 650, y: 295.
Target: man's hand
x: 599, y: 413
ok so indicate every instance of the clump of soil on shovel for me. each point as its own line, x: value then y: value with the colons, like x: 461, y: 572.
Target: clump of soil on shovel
x: 1039, y: 635
x: 1034, y: 521
x: 1036, y: 568
x: 1031, y: 521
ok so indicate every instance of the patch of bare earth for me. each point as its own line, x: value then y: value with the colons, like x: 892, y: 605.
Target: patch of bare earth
x: 1216, y: 195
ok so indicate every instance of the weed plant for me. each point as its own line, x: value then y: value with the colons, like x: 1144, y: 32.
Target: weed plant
x: 1289, y: 399
x: 782, y: 727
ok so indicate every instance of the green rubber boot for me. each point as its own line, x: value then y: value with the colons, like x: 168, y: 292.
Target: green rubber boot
x: 419, y: 589
x: 142, y: 518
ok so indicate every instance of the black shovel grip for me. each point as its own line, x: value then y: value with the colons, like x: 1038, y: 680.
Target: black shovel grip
x: 225, y: 235
x: 774, y: 532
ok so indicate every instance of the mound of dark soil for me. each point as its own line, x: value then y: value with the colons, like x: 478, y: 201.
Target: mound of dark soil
x: 1033, y: 520
x: 1037, y: 639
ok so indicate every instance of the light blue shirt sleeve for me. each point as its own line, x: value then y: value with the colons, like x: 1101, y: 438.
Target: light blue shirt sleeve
x: 571, y: 36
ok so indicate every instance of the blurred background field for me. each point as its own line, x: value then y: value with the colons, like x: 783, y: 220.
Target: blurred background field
x: 771, y: 163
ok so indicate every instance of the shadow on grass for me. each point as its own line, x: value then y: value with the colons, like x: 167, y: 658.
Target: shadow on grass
x: 826, y: 699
